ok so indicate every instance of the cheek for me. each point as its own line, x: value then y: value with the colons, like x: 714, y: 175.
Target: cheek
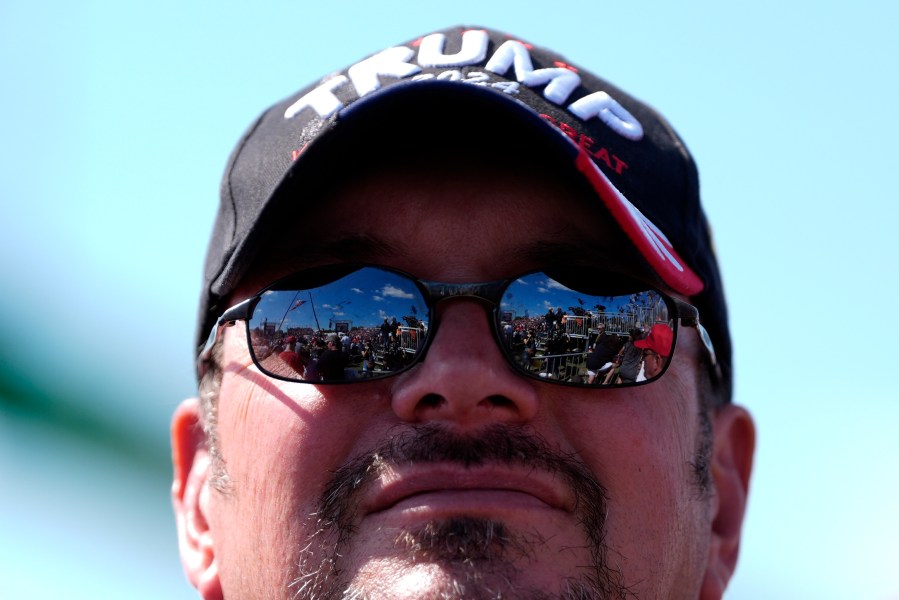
x: 282, y: 441
x: 640, y: 444
x: 269, y: 484
x: 277, y: 438
x: 639, y: 447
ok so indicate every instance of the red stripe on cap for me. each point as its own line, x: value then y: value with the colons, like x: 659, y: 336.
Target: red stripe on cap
x: 648, y: 238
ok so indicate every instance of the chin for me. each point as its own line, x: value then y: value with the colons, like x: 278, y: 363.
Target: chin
x: 475, y: 558
x: 400, y: 580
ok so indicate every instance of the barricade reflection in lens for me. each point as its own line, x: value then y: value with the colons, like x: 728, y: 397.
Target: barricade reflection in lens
x: 556, y: 333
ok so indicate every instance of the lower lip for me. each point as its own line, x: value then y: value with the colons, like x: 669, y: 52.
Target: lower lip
x: 478, y: 502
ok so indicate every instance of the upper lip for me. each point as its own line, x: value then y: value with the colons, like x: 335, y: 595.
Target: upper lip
x: 397, y: 483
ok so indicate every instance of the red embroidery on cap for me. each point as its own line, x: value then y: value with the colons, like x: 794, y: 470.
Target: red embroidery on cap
x: 522, y: 42
x: 647, y: 238
x: 563, y: 65
x: 586, y: 142
x: 296, y: 153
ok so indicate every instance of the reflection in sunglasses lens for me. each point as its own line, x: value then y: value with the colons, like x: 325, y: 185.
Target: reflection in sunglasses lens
x: 365, y: 325
x: 556, y: 333
x: 372, y: 323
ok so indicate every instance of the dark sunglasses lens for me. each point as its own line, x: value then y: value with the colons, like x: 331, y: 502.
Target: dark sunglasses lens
x: 590, y: 333
x: 367, y: 324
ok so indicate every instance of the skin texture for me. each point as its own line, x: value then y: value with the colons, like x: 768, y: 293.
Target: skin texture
x: 590, y: 490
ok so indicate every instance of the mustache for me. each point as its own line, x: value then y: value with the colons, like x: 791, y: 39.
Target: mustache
x: 499, y: 444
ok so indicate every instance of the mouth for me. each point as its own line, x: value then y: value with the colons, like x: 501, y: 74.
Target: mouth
x: 439, y: 490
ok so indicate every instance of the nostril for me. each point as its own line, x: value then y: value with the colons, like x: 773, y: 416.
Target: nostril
x: 499, y: 401
x: 431, y: 401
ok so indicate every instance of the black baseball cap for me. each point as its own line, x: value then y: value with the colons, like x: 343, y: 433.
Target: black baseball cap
x: 636, y: 163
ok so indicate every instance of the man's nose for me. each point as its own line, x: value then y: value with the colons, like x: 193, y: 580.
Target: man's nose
x: 464, y: 379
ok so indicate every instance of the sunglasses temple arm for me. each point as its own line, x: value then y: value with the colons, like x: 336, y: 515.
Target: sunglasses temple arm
x: 707, y: 342
x: 238, y: 312
x: 689, y: 317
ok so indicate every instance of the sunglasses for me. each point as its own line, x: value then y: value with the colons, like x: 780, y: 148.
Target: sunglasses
x: 356, y: 323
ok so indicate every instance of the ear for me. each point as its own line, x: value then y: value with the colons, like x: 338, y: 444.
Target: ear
x: 734, y: 445
x: 190, y: 495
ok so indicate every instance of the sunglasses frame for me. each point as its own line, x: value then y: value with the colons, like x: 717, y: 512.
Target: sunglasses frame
x: 434, y: 292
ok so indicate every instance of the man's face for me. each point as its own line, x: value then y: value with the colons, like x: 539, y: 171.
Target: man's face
x: 458, y: 477
x: 652, y: 364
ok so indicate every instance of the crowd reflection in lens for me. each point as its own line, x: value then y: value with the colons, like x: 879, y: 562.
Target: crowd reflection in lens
x: 331, y: 356
x: 582, y: 339
x: 589, y: 349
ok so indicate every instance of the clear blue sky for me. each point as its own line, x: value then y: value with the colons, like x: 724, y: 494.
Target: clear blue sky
x: 117, y: 119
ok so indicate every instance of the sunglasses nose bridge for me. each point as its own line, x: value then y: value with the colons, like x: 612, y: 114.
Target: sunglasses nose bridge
x: 486, y: 294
